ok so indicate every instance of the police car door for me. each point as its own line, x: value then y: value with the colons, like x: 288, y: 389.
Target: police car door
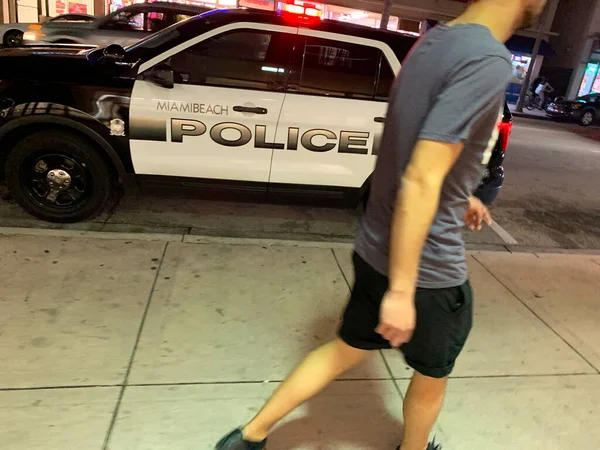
x: 333, y: 114
x: 218, y: 120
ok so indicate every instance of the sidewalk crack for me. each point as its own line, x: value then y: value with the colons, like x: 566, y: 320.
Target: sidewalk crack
x: 135, y: 347
x: 341, y: 270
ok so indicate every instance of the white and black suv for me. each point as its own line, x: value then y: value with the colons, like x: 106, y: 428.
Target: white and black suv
x: 274, y: 105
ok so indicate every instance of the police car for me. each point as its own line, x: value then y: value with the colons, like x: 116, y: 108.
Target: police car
x: 277, y: 104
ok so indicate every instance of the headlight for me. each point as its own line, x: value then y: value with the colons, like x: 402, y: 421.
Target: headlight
x: 33, y: 32
x: 32, y: 36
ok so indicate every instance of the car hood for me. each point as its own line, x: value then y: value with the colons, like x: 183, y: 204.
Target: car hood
x: 56, y: 62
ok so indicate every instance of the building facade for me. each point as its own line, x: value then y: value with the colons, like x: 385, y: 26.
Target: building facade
x: 575, y: 70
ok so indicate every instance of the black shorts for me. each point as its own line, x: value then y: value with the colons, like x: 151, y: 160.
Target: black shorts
x: 444, y: 320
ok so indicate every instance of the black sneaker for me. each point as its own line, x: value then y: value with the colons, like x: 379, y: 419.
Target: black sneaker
x: 431, y: 446
x: 235, y: 441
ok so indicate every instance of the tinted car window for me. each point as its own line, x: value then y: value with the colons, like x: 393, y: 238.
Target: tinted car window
x: 244, y: 59
x: 180, y: 17
x: 127, y: 21
x: 338, y: 69
x: 384, y: 81
x: 155, y: 21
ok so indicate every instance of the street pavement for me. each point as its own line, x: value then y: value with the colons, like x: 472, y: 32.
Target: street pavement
x: 128, y: 344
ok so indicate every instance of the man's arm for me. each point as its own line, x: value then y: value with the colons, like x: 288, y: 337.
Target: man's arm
x: 416, y: 205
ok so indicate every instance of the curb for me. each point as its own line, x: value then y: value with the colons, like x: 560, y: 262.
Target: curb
x: 269, y: 242
x: 524, y: 115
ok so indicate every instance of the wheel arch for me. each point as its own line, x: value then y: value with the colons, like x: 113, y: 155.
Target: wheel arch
x: 14, y: 130
x: 11, y: 30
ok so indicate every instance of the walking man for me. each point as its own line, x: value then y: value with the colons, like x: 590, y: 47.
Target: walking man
x: 411, y: 288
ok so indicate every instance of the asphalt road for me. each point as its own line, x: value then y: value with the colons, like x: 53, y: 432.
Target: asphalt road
x: 551, y: 196
x: 551, y: 199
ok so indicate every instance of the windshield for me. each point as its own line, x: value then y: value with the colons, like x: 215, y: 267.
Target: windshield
x: 170, y: 33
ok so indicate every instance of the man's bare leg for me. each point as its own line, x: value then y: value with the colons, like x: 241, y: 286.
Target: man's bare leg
x: 313, y: 374
x: 422, y: 406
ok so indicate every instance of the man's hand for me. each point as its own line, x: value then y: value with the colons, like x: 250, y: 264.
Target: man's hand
x: 397, y: 317
x: 476, y: 214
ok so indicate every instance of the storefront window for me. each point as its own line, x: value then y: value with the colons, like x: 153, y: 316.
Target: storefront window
x: 520, y: 66
x: 58, y: 7
x: 367, y: 19
x: 591, y: 81
x: 267, y: 5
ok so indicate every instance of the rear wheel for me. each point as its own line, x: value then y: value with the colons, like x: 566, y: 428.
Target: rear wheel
x: 58, y: 176
x: 587, y: 118
x: 12, y: 38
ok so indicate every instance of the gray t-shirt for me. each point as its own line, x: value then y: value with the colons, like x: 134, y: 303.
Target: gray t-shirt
x: 450, y: 89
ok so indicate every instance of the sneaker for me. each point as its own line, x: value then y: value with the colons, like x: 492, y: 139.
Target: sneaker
x: 431, y: 446
x: 235, y: 441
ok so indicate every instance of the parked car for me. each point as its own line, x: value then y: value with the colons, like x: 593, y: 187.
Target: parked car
x: 124, y: 26
x: 262, y: 105
x: 583, y: 110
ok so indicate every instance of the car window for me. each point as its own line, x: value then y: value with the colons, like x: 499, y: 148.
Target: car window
x: 247, y: 59
x: 338, y: 69
x: 180, y: 17
x: 155, y: 21
x: 384, y: 81
x: 126, y: 21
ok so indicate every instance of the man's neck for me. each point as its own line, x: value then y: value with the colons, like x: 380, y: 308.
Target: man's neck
x: 502, y: 18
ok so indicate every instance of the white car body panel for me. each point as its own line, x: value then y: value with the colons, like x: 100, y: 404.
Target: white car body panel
x: 201, y: 157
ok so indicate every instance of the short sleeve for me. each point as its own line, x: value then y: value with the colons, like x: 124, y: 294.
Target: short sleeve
x: 473, y: 91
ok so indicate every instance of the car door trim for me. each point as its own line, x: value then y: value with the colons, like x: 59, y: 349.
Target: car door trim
x: 215, y: 32
x: 385, y: 49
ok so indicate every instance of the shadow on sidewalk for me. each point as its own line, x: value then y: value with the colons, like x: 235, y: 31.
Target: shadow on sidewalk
x: 348, y: 414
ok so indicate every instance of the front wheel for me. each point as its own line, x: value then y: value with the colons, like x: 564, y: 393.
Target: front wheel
x: 587, y: 118
x: 12, y: 38
x: 58, y: 176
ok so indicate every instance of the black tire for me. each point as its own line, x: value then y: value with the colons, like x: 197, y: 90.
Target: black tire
x: 12, y: 38
x: 29, y: 166
x: 587, y: 118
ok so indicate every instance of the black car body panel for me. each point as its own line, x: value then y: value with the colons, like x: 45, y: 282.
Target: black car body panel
x: 71, y: 93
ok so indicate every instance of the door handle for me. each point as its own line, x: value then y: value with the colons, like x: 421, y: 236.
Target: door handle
x: 379, y: 119
x: 248, y: 109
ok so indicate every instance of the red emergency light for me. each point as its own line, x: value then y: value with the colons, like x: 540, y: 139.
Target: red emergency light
x: 299, y: 10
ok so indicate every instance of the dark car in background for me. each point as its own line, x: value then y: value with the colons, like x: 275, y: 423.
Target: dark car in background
x: 584, y: 110
x: 124, y: 26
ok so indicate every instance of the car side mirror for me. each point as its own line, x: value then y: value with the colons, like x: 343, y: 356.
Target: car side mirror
x: 114, y: 53
x: 161, y: 74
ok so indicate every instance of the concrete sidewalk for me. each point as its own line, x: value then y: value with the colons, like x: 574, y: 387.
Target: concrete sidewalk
x: 143, y: 345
